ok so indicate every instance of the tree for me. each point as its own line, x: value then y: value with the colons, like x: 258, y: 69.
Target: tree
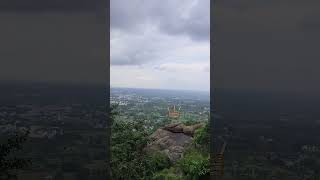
x: 129, y: 158
x: 202, y: 137
x: 194, y: 164
x: 9, y: 163
x: 128, y: 140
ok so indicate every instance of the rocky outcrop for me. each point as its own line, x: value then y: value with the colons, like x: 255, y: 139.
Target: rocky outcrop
x: 181, y: 128
x: 173, y: 139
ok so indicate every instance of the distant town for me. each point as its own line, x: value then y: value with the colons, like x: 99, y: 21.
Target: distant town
x: 152, y: 105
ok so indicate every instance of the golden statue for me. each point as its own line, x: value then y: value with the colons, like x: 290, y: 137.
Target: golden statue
x: 174, y: 114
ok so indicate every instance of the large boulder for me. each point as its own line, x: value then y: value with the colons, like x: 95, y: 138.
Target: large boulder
x: 181, y: 128
x: 172, y: 144
x: 174, y: 127
x: 173, y: 139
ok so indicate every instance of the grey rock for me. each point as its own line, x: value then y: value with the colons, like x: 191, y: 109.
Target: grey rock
x: 173, y: 140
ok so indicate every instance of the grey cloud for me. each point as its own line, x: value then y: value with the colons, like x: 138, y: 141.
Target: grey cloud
x: 196, y: 25
x: 131, y: 58
x: 182, y: 67
x: 128, y: 59
x: 128, y: 15
x: 148, y: 29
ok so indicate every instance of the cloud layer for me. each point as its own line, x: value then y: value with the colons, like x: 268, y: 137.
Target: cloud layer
x: 160, y: 36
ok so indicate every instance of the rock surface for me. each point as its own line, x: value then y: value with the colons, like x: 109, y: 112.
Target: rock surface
x: 173, y: 139
x: 181, y: 128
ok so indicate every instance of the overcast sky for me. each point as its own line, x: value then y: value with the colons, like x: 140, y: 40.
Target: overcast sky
x: 267, y: 44
x: 160, y: 44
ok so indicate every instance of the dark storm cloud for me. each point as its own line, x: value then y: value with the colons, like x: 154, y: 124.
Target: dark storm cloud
x: 48, y: 5
x: 270, y: 45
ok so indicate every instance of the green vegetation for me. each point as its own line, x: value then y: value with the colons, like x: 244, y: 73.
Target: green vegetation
x: 169, y: 174
x: 202, y: 138
x: 130, y: 160
x: 194, y: 164
x: 9, y: 162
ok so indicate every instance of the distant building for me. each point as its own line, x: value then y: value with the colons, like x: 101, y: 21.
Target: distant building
x: 174, y: 114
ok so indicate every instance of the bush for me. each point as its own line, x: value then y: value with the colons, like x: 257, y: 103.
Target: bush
x: 128, y: 140
x: 202, y: 137
x: 129, y: 160
x: 190, y: 122
x: 9, y: 162
x: 194, y: 164
x: 157, y: 161
x: 168, y: 174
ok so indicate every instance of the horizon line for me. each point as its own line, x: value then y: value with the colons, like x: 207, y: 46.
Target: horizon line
x: 197, y: 90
